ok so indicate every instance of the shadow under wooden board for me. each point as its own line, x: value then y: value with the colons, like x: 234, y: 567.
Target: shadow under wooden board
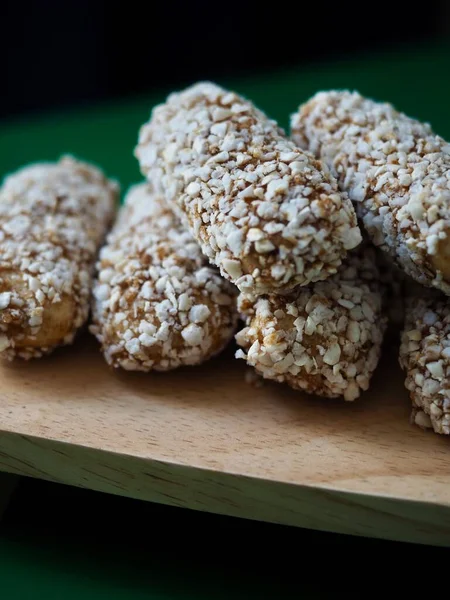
x: 204, y: 438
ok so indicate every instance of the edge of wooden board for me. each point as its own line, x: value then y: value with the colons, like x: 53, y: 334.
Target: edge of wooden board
x: 322, y: 508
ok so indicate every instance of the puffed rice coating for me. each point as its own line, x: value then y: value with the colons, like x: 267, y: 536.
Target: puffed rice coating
x: 53, y: 219
x: 263, y: 210
x: 395, y: 169
x: 324, y: 339
x: 425, y: 359
x: 158, y: 304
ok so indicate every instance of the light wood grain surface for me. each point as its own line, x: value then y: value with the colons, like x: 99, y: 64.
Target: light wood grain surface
x: 204, y: 438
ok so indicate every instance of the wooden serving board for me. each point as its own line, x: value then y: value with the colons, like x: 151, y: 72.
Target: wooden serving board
x: 204, y: 438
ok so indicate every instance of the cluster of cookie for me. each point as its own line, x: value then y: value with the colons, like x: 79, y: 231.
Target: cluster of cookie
x: 299, y: 237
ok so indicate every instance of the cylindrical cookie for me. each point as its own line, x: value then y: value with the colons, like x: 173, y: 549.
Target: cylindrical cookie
x: 53, y: 218
x: 425, y: 359
x: 263, y: 210
x: 394, y: 168
x: 324, y: 339
x: 158, y: 304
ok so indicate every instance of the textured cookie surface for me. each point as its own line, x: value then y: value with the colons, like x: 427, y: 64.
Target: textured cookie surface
x: 425, y: 358
x: 395, y: 169
x: 324, y: 339
x: 53, y: 218
x: 158, y: 304
x: 263, y: 210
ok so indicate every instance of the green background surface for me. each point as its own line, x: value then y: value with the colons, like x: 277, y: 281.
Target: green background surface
x: 417, y: 81
x: 70, y: 557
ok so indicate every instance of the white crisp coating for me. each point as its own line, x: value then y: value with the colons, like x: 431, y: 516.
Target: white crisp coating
x: 53, y: 218
x: 263, y: 210
x: 425, y: 358
x: 394, y: 168
x: 157, y: 303
x: 324, y: 339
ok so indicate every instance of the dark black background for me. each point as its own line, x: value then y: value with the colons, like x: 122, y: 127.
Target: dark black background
x: 58, y: 53
x: 140, y: 545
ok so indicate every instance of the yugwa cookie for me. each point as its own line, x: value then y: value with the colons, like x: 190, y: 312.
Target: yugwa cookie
x: 158, y: 304
x: 263, y: 210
